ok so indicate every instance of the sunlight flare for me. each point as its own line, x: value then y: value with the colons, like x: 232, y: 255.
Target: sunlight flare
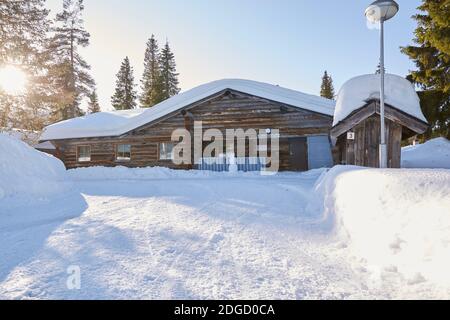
x: 13, y: 79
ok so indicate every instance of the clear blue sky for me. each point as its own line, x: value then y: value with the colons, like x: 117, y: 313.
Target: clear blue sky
x: 285, y: 42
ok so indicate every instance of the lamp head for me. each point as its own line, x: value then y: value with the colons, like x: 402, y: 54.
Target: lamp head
x: 381, y: 10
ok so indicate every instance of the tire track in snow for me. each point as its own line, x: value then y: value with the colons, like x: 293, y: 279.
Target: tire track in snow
x: 168, y: 287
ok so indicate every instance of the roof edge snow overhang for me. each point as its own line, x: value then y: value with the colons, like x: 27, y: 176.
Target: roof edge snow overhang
x: 121, y: 131
x: 219, y: 94
x: 373, y: 107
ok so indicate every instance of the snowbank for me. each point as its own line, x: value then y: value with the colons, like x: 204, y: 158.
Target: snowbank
x: 432, y: 154
x: 124, y: 173
x: 399, y: 93
x: 29, y: 137
x: 27, y: 174
x: 397, y: 220
x: 151, y: 173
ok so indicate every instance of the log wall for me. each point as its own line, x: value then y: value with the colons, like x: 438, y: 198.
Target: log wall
x: 229, y: 110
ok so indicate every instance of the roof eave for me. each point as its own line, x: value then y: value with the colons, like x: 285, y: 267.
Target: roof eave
x: 418, y: 125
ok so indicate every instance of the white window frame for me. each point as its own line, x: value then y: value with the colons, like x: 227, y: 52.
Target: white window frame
x: 166, y: 156
x: 122, y: 158
x: 84, y: 159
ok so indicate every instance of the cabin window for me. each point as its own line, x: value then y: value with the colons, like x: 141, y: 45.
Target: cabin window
x: 84, y: 153
x: 166, y: 151
x: 123, y: 152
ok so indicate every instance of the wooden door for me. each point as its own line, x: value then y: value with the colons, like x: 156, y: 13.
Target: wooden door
x: 298, y: 154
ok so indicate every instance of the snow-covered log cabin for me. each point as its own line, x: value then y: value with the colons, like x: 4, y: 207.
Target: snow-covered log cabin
x: 142, y: 137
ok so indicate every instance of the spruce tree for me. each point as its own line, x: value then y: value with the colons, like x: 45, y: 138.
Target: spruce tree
x: 168, y: 77
x: 327, y: 89
x: 151, y: 88
x: 70, y: 72
x: 431, y: 55
x: 93, y: 104
x: 125, y: 94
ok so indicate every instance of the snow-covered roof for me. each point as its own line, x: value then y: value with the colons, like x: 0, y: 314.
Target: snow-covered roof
x: 113, y: 123
x: 399, y: 93
x: 46, y: 145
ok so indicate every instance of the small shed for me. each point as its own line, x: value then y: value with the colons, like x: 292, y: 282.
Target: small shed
x: 356, y: 127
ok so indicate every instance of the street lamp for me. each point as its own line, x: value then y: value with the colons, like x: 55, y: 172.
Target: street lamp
x: 381, y: 11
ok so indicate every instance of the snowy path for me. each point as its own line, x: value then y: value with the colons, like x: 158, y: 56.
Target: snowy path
x: 248, y: 238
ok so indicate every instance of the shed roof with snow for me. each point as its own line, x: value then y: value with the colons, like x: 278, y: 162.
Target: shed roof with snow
x: 115, y: 123
x: 356, y: 130
x: 358, y: 91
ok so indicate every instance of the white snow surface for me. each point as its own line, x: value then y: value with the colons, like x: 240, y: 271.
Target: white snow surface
x: 124, y: 173
x: 114, y: 123
x: 156, y: 233
x: 27, y: 174
x: 399, y: 93
x: 179, y: 238
x: 398, y: 222
x: 434, y: 153
x: 29, y: 137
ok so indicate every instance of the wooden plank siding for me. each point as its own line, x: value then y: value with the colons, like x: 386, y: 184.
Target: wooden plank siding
x: 363, y: 150
x: 365, y: 123
x: 230, y: 110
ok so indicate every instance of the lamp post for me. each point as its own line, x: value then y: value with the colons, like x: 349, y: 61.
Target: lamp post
x: 381, y: 11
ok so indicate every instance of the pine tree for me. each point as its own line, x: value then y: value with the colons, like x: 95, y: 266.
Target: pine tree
x: 23, y: 27
x: 9, y: 110
x: 93, y: 104
x: 327, y: 89
x: 69, y: 72
x: 151, y: 88
x: 23, y: 30
x: 125, y: 94
x: 168, y: 77
x: 431, y: 54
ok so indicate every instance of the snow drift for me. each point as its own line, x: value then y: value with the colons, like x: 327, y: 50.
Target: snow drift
x: 397, y: 220
x: 432, y: 154
x: 159, y: 173
x: 147, y: 173
x: 26, y: 173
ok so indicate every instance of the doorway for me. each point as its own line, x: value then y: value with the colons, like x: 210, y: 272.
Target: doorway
x: 298, y: 154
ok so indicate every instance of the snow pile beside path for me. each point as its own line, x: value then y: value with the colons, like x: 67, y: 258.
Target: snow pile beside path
x: 397, y: 220
x: 151, y: 173
x: 147, y: 173
x: 29, y: 137
x: 432, y: 154
x: 26, y: 173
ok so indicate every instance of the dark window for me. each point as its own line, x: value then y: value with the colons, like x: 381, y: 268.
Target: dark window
x: 166, y: 151
x: 123, y: 152
x: 84, y: 153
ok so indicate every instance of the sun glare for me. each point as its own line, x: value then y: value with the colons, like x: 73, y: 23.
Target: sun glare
x: 12, y: 80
